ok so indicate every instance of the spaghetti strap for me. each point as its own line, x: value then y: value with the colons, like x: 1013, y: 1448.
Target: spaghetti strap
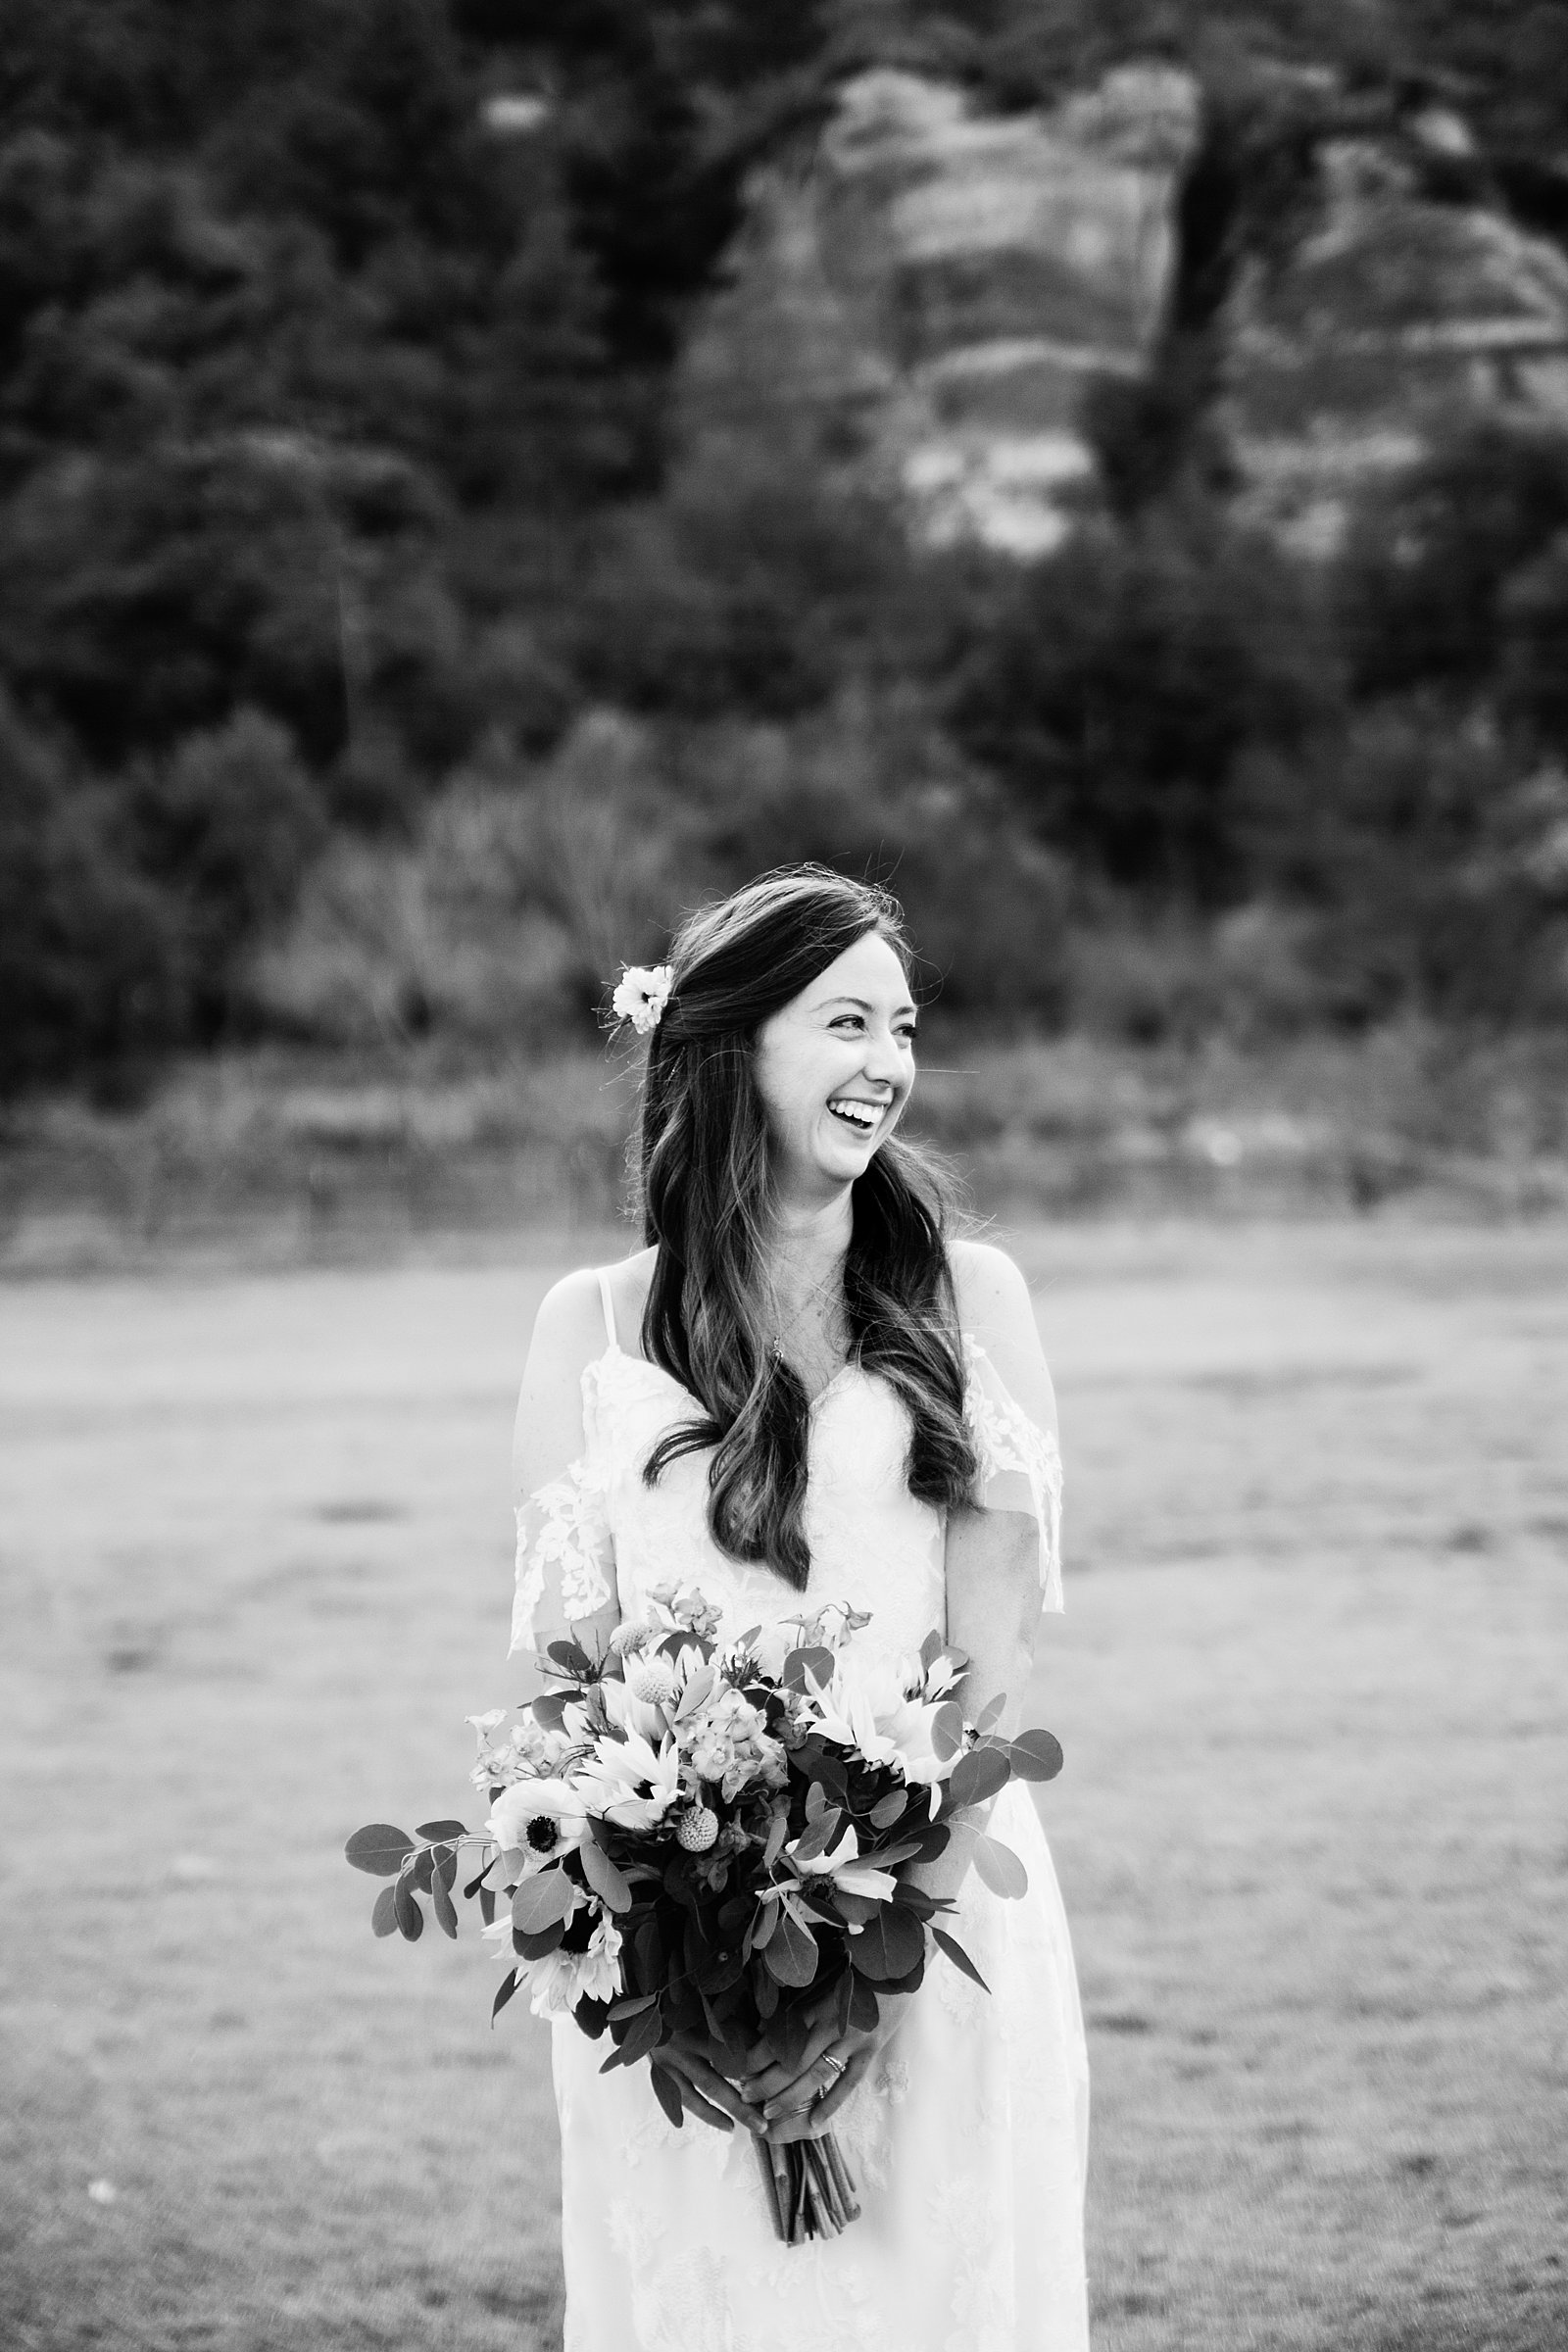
x: 609, y: 1312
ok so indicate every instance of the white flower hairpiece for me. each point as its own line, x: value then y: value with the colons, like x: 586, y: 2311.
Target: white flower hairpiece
x: 642, y: 995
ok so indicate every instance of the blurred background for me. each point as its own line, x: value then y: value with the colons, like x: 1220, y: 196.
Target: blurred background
x: 478, y: 477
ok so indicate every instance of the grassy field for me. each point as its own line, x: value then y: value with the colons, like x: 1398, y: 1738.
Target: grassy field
x: 253, y: 1544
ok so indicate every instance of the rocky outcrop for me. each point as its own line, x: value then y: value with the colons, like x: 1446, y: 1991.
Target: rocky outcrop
x: 929, y: 291
x: 1392, y: 318
x: 945, y: 284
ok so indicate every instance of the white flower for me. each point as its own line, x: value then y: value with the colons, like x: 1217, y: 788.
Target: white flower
x: 846, y: 1869
x: 553, y: 1984
x: 629, y: 1784
x: 865, y: 1707
x: 599, y: 1968
x: 642, y: 995
x: 540, y: 1820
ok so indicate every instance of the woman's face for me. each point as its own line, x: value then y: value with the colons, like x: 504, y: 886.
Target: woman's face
x: 834, y: 1068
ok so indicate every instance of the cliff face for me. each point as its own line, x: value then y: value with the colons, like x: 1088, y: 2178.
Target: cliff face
x: 948, y: 283
x: 930, y: 291
x: 1393, y: 318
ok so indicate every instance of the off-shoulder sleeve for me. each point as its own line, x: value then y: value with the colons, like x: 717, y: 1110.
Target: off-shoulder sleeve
x: 565, y: 1561
x: 1021, y: 1465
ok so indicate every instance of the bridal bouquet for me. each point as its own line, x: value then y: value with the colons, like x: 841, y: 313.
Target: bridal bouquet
x: 713, y: 1841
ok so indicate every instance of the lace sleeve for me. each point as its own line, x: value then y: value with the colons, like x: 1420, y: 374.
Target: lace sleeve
x: 1021, y: 1465
x: 565, y: 1561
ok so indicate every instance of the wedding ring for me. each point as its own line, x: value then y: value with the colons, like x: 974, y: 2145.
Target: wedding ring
x: 838, y: 2066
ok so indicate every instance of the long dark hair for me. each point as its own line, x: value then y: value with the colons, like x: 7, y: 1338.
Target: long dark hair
x: 707, y: 1193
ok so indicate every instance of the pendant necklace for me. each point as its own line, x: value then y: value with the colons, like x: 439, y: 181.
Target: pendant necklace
x: 782, y: 1331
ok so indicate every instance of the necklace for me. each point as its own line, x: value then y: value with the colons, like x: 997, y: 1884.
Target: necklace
x: 783, y: 1330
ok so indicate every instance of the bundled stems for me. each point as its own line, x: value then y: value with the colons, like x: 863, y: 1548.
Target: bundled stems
x: 808, y: 2188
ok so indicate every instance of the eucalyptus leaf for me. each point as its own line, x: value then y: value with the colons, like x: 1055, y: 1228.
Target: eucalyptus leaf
x: 947, y: 1730
x: 978, y: 1775
x: 384, y: 1912
x: 887, y: 1809
x: 864, y: 2008
x: 791, y: 1955
x: 889, y: 1945
x: 547, y: 1896
x: 1001, y: 1869
x: 762, y: 1932
x: 534, y: 1947
x: 991, y: 1713
x: 959, y: 1957
x: 487, y: 1904
x: 632, y: 2005
x: 434, y: 1830
x: 441, y: 1903
x: 379, y: 1848
x: 817, y: 1834
x: 409, y: 1918
x: 1035, y: 1757
x: 666, y: 2090
x: 573, y: 1658
x: 778, y: 1831
x: 504, y: 1992
x: 603, y: 1877
x: 645, y: 2033
x: 814, y: 1662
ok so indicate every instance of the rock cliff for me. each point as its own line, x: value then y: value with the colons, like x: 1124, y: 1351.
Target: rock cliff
x: 930, y: 291
x: 945, y: 284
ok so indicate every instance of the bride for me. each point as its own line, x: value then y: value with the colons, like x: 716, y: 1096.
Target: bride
x: 804, y: 1390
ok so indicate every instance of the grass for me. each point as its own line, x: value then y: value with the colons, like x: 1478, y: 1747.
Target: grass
x: 255, y: 1572
x: 283, y: 1156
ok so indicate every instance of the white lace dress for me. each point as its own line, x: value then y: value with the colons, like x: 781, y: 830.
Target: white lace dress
x: 968, y: 2141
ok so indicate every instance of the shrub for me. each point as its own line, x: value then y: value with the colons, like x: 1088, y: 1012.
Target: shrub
x: 89, y: 948
x: 1121, y: 683
x: 1421, y: 584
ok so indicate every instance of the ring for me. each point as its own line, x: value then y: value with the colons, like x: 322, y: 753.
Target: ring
x: 839, y: 2068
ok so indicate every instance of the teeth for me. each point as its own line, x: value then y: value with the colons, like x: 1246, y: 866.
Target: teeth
x: 863, y: 1114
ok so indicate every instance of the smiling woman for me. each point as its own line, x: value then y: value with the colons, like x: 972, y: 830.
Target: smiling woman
x: 832, y: 1403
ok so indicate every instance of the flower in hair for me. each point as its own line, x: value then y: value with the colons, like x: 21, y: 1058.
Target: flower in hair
x: 642, y: 995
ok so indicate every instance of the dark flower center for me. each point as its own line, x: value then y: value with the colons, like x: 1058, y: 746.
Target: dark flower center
x: 543, y: 1833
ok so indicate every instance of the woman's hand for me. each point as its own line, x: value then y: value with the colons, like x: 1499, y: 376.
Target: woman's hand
x: 706, y: 2092
x: 802, y: 2105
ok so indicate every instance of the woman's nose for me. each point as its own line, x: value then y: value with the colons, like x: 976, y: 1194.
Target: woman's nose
x: 883, y: 1063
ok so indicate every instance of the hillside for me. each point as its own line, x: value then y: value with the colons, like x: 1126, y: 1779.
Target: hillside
x: 474, y: 477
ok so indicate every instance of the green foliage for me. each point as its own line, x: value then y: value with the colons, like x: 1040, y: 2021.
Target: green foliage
x: 1115, y: 686
x: 388, y: 649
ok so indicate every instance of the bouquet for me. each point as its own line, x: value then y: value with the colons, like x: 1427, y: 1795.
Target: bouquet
x: 713, y: 1840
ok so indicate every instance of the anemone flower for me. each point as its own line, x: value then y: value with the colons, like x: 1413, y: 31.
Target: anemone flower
x: 539, y: 1820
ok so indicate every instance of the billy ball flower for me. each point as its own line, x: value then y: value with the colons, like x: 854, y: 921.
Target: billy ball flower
x: 641, y: 995
x: 651, y: 1678
x: 697, y: 1829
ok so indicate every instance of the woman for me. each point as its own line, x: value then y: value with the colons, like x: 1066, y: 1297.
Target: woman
x: 801, y: 1390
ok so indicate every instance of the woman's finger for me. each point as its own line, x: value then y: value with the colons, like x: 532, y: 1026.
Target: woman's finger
x: 695, y: 2104
x: 775, y: 2081
x: 806, y: 2120
x: 715, y: 2088
x: 821, y: 2115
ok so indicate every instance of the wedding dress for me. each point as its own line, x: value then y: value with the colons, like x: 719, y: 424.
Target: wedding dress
x: 967, y: 2141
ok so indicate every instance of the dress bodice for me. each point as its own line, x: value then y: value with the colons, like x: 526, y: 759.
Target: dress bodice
x: 873, y: 1544
x: 603, y: 1531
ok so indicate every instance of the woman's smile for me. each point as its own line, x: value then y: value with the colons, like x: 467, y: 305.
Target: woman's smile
x: 865, y: 1117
